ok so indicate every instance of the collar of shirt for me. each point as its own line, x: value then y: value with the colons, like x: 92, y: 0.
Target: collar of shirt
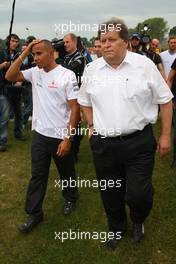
x: 103, y: 63
x: 71, y: 55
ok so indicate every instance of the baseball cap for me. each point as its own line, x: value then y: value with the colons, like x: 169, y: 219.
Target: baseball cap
x: 30, y: 39
x: 135, y: 35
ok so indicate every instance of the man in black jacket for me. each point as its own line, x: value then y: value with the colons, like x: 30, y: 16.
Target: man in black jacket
x: 74, y: 61
x: 4, y: 106
x: 10, y: 93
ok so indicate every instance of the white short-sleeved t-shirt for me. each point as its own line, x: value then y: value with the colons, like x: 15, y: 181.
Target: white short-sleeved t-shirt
x: 51, y: 92
x: 167, y: 59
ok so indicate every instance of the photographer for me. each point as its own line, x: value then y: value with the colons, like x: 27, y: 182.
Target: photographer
x: 135, y: 41
x: 74, y: 61
x: 10, y: 93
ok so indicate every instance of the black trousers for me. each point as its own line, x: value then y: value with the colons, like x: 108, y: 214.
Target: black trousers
x: 43, y: 148
x: 27, y: 99
x: 77, y: 141
x: 14, y: 96
x: 131, y: 161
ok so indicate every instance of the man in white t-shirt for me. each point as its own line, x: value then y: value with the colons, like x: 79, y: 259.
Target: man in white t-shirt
x: 55, y: 115
x: 168, y: 56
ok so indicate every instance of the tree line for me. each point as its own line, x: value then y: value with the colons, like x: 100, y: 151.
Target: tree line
x: 157, y: 28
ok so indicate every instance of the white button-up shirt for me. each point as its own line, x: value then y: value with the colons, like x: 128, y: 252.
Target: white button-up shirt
x: 124, y: 99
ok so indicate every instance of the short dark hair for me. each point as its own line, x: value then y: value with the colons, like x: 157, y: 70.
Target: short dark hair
x: 117, y: 24
x: 171, y: 37
x: 15, y: 36
x: 30, y: 39
x: 97, y: 38
x: 47, y: 44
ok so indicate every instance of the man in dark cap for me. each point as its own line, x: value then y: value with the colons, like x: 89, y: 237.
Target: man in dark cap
x: 135, y: 41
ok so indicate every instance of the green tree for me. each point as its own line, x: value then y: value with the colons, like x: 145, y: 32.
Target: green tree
x: 92, y: 40
x: 172, y: 31
x: 157, y: 25
x: 86, y: 41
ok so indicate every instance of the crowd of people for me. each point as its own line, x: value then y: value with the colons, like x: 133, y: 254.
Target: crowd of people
x: 122, y: 91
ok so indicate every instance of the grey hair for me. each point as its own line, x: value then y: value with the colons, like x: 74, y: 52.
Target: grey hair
x: 116, y: 24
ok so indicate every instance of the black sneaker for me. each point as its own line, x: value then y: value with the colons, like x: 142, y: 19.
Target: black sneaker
x: 30, y: 223
x: 112, y: 243
x: 138, y: 232
x: 173, y: 165
x: 69, y: 207
x: 21, y: 137
x: 3, y: 147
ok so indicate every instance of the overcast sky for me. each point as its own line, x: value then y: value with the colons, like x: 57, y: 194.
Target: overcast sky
x: 44, y: 17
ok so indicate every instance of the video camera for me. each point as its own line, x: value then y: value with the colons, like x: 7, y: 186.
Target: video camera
x: 145, y: 38
x: 58, y: 45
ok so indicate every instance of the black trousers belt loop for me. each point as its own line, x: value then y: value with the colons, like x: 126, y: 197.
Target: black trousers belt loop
x: 134, y: 134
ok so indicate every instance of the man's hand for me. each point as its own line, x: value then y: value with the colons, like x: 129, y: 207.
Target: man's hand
x: 28, y: 49
x: 91, y: 130
x: 164, y: 145
x: 18, y: 84
x: 64, y: 147
x: 5, y: 64
x: 14, y: 74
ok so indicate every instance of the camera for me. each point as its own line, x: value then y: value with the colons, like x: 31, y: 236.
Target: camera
x: 58, y: 45
x: 145, y: 38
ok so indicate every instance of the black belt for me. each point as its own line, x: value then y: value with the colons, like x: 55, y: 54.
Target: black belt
x: 134, y: 134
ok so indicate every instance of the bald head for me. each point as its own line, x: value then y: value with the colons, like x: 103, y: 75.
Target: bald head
x: 156, y: 41
x: 70, y: 43
x: 72, y: 36
x: 154, y: 44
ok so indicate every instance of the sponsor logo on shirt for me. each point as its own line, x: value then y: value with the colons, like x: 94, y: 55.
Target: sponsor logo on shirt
x: 75, y: 86
x: 39, y: 84
x: 53, y: 85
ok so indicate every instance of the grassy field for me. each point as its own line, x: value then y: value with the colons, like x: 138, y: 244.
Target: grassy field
x: 40, y: 246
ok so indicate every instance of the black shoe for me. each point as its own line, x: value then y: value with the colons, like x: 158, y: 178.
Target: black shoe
x: 21, y: 137
x: 30, y: 223
x: 173, y: 165
x: 138, y: 232
x: 75, y: 158
x: 112, y: 243
x: 69, y: 207
x: 3, y: 147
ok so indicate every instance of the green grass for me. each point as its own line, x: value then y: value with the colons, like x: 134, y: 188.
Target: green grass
x: 41, y: 247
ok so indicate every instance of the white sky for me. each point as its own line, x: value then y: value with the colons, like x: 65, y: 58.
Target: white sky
x: 41, y: 16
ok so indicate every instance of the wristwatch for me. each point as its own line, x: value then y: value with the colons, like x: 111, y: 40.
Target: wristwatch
x: 68, y: 137
x: 90, y: 125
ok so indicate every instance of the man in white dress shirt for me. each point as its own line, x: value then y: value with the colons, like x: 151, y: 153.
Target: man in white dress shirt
x: 120, y: 95
x: 55, y: 114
